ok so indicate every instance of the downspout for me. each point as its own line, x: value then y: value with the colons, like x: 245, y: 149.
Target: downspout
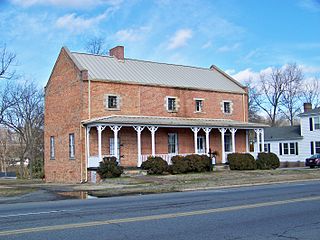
x: 244, y: 108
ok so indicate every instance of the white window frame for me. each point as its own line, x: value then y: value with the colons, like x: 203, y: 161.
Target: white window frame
x: 288, y: 148
x: 230, y: 103
x: 317, y: 147
x: 201, y: 140
x: 71, y: 146
x: 111, y: 146
x: 227, y: 142
x: 173, y: 143
x: 316, y: 123
x: 175, y: 105
x: 198, y: 108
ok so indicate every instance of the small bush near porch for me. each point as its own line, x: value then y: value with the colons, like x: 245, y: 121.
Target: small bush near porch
x: 190, y: 163
x: 109, y: 168
x: 155, y: 165
x: 241, y: 161
x: 267, y: 161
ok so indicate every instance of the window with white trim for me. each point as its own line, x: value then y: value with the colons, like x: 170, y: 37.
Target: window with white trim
x: 71, y: 146
x: 52, y: 150
x: 267, y: 147
x: 290, y: 148
x: 317, y: 147
x: 171, y: 104
x: 227, y: 142
x: 172, y: 143
x: 226, y: 107
x: 316, y: 121
x: 199, y: 105
x: 111, y: 146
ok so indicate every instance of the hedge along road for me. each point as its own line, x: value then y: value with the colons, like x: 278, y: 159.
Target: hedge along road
x: 261, y: 212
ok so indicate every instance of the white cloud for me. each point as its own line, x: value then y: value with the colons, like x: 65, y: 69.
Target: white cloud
x: 206, y: 45
x: 310, y: 69
x: 131, y: 34
x: 78, y: 24
x: 228, y: 48
x: 180, y: 38
x: 248, y: 74
x: 66, y: 3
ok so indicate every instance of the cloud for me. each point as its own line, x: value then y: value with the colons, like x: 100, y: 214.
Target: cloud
x: 206, y: 45
x: 68, y: 3
x: 131, y: 34
x: 310, y: 5
x: 228, y: 48
x: 180, y: 38
x: 248, y: 74
x: 78, y: 24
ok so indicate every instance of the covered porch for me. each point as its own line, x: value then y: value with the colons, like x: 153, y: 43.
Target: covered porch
x: 131, y: 139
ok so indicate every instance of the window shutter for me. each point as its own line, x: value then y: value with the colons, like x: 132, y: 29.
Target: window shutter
x: 280, y: 148
x: 312, y: 148
x: 311, y: 124
x: 268, y: 147
x: 297, y: 151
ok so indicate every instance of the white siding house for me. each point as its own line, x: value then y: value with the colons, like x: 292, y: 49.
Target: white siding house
x: 295, y: 143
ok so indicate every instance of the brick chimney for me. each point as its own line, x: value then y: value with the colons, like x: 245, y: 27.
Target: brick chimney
x: 117, y: 52
x: 307, y: 107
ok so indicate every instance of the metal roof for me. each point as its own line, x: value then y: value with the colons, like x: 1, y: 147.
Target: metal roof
x: 171, y: 122
x: 312, y: 112
x: 153, y: 73
x: 282, y: 133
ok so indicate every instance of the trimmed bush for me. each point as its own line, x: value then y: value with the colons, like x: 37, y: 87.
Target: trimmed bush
x: 155, y: 165
x: 241, y: 161
x: 179, y: 165
x: 190, y: 163
x: 109, y: 168
x: 267, y: 161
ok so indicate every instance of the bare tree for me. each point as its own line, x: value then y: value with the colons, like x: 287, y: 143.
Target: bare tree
x: 311, y: 92
x: 290, y: 102
x: 95, y: 46
x: 253, y: 108
x: 26, y: 117
x: 7, y: 59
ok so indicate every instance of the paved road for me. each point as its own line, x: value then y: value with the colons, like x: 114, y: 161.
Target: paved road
x: 283, y: 211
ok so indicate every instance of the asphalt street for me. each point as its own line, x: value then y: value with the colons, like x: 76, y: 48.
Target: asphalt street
x: 279, y: 211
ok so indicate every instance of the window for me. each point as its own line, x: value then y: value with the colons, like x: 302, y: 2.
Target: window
x: 267, y: 147
x: 199, y: 105
x: 317, y: 147
x: 201, y: 144
x: 316, y: 122
x: 288, y: 148
x: 171, y: 104
x: 172, y: 143
x: 71, y: 146
x: 111, y: 146
x: 227, y: 142
x: 226, y: 106
x: 112, y: 102
x: 52, y: 156
x: 285, y: 148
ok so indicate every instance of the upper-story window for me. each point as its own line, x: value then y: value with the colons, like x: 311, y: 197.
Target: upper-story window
x: 227, y: 107
x: 199, y: 105
x: 316, y: 122
x: 171, y: 104
x: 112, y: 102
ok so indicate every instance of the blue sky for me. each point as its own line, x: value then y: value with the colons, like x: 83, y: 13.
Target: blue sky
x: 243, y: 37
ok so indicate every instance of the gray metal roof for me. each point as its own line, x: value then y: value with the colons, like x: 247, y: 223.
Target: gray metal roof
x: 282, y: 133
x: 153, y: 73
x: 171, y: 122
x: 315, y: 111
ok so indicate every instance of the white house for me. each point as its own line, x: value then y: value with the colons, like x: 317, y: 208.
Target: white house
x: 295, y: 143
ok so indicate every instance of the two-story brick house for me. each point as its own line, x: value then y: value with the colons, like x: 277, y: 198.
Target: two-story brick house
x: 131, y: 109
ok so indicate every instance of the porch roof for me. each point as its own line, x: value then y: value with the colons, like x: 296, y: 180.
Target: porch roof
x: 171, y: 122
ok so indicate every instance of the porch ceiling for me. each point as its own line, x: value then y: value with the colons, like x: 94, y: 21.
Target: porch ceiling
x: 171, y: 122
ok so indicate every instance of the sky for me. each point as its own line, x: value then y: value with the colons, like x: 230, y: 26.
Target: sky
x: 243, y: 38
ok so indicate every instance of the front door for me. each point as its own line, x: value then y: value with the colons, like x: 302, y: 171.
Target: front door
x: 201, y: 144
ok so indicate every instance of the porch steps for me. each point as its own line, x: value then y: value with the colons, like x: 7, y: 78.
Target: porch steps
x: 221, y: 167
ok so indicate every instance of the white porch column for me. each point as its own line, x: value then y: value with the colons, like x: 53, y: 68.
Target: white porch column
x: 100, y: 128
x: 257, y: 131
x: 207, y: 130
x: 139, y: 130
x: 222, y: 131
x: 115, y: 130
x: 262, y: 139
x: 247, y: 141
x: 153, y: 130
x: 88, y: 142
x: 195, y: 135
x: 233, y: 132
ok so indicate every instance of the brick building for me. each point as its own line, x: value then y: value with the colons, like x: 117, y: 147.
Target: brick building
x: 99, y: 106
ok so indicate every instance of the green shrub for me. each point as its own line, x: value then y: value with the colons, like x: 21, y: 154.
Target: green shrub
x: 241, y: 161
x: 109, y: 168
x: 179, y: 165
x: 155, y: 165
x: 190, y: 163
x: 267, y: 161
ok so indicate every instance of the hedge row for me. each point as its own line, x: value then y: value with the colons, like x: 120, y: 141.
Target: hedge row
x: 180, y: 164
x: 245, y: 161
